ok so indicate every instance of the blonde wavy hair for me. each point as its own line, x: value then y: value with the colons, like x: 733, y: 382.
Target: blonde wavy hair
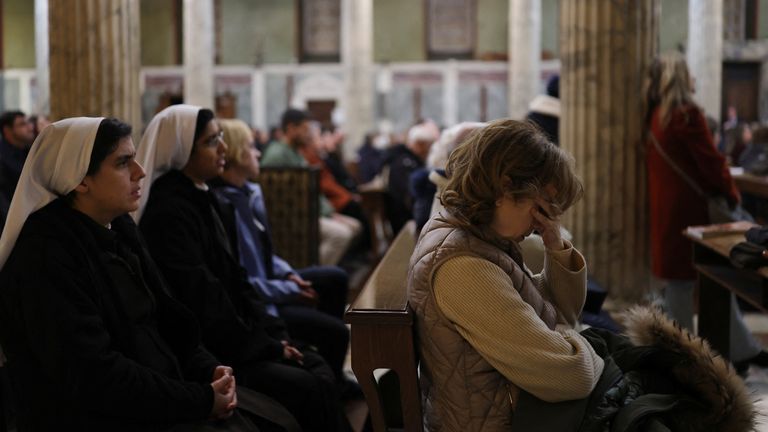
x: 506, y: 157
x: 668, y: 86
x: 238, y: 136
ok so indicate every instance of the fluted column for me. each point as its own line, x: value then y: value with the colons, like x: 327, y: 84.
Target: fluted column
x: 605, y: 48
x: 524, y: 54
x: 357, y: 59
x: 705, y: 52
x: 43, y: 104
x: 94, y: 58
x: 199, y: 52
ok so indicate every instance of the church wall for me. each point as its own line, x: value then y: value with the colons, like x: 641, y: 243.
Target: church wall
x: 260, y: 32
x: 398, y: 35
x: 157, y: 38
x: 673, y: 29
x: 492, y: 32
x: 18, y: 29
x: 550, y: 28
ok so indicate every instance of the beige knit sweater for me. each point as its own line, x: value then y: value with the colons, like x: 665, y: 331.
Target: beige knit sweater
x: 479, y: 298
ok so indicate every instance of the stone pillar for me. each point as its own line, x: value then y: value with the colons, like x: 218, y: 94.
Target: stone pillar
x: 524, y: 55
x: 43, y: 103
x: 199, y: 53
x: 705, y: 52
x: 605, y: 49
x: 357, y: 60
x: 94, y: 57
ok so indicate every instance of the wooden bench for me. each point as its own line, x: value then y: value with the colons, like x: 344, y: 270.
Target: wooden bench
x: 383, y: 335
x: 291, y: 196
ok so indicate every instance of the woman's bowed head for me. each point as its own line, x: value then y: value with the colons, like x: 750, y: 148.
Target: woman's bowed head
x: 509, y: 177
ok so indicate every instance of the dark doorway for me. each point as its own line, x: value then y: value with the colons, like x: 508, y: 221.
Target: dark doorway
x: 321, y: 111
x: 741, y: 89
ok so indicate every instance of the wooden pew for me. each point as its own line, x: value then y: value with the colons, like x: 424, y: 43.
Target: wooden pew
x: 291, y: 197
x: 383, y: 333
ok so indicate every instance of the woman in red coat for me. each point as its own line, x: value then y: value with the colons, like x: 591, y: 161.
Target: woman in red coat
x: 679, y: 127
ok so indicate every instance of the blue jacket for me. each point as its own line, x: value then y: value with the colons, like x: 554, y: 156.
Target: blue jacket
x: 266, y: 271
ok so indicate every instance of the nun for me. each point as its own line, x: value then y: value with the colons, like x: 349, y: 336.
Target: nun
x: 92, y: 338
x: 181, y: 218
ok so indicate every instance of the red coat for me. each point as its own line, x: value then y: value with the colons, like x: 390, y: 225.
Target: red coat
x: 674, y: 204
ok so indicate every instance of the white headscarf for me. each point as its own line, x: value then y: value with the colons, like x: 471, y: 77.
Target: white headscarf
x: 166, y: 145
x: 56, y: 164
x: 448, y: 141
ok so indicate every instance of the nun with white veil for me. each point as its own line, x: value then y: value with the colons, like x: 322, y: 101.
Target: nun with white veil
x: 93, y: 340
x: 185, y: 228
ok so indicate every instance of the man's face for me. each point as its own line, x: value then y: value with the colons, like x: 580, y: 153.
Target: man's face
x: 208, y: 156
x: 115, y: 189
x: 421, y: 148
x: 298, y: 135
x: 20, y: 134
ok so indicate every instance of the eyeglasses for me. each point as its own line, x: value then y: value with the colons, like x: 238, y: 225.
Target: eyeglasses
x: 213, y: 140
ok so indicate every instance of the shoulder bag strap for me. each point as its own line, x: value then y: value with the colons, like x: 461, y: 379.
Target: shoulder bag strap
x: 674, y: 166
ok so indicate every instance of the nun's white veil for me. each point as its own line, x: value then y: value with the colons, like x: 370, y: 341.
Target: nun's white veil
x: 56, y: 164
x: 166, y: 145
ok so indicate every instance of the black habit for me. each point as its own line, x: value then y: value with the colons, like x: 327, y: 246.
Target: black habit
x: 187, y: 238
x: 93, y: 340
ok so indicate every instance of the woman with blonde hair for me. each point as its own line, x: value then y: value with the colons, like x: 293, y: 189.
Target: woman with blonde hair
x: 486, y: 326
x: 680, y: 141
x: 310, y: 300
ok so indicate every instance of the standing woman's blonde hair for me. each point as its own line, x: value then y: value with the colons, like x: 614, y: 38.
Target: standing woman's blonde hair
x: 238, y: 137
x: 669, y: 86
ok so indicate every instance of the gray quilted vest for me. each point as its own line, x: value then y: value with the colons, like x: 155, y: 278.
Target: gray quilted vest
x: 461, y: 391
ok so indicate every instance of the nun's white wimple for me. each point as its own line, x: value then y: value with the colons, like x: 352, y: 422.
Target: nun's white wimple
x: 166, y: 145
x: 56, y: 164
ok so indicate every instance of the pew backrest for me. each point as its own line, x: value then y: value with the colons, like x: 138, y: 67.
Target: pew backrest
x: 291, y: 195
x: 383, y: 334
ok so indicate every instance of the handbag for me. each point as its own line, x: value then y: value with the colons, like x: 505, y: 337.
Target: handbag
x: 717, y: 205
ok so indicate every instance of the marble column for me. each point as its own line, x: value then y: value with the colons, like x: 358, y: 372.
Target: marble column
x: 524, y: 55
x: 357, y: 60
x: 605, y: 50
x: 199, y: 52
x: 43, y: 103
x: 94, y: 58
x: 705, y: 52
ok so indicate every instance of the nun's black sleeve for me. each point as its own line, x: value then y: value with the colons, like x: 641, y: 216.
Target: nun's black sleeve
x: 54, y: 312
x: 234, y: 327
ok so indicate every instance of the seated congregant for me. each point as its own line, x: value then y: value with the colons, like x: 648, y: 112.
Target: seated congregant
x: 399, y: 163
x: 183, y: 148
x: 487, y: 327
x: 337, y: 231
x: 93, y: 340
x: 16, y: 136
x: 310, y: 300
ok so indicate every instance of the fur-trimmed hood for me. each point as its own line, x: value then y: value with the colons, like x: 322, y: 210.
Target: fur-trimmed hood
x: 708, y: 376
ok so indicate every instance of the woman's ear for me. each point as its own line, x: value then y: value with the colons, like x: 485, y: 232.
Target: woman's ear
x: 83, y: 187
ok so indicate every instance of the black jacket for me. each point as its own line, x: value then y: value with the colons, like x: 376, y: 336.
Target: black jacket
x: 659, y: 379
x: 402, y: 162
x: 183, y: 228
x: 93, y: 340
